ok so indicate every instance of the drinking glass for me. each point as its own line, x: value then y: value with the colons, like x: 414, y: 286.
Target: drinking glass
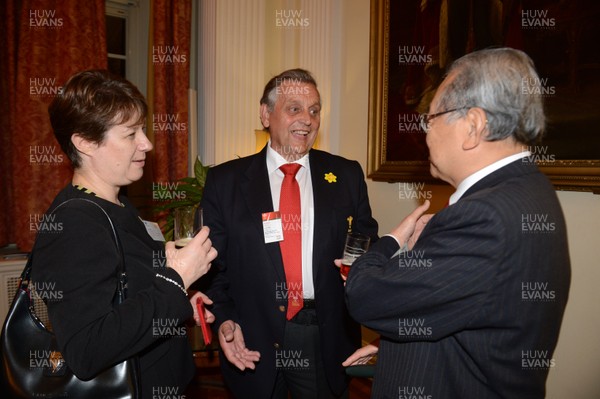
x: 356, y: 245
x: 183, y: 226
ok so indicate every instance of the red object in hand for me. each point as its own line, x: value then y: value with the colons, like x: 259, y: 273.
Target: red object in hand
x: 206, y: 331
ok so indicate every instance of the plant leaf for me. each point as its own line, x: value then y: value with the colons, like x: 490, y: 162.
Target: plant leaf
x: 200, y: 172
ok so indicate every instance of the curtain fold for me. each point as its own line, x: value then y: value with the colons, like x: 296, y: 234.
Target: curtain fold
x: 8, y: 30
x: 168, y: 89
x: 45, y: 42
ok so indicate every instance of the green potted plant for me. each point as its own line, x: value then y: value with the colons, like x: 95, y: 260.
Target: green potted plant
x: 189, y: 193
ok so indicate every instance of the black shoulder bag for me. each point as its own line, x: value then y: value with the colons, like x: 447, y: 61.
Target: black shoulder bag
x: 23, y: 333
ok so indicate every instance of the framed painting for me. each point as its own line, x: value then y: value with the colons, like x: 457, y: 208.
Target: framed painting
x: 413, y: 42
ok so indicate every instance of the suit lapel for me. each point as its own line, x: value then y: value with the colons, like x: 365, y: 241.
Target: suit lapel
x: 323, y: 211
x: 257, y: 191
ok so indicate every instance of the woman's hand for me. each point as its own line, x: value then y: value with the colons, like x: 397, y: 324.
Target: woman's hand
x: 192, y: 261
x: 208, y: 316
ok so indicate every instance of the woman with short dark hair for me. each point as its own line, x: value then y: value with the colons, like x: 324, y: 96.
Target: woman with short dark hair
x: 99, y: 119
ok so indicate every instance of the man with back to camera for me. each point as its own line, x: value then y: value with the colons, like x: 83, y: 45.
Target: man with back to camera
x: 471, y: 306
x: 279, y: 303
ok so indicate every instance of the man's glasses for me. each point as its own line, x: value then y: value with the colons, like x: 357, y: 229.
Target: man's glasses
x: 425, y: 119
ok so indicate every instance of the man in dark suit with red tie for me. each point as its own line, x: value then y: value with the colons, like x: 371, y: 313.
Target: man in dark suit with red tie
x: 279, y: 219
x: 469, y: 303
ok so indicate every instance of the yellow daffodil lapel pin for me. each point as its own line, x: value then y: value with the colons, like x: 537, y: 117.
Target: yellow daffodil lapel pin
x: 330, y: 177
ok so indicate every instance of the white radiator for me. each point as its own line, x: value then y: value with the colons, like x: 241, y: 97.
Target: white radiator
x: 10, y: 271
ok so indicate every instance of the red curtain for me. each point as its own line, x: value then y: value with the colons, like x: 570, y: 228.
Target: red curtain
x: 44, y: 42
x: 169, y: 67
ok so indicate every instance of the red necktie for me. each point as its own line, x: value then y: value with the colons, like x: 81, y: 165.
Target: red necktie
x: 291, y: 246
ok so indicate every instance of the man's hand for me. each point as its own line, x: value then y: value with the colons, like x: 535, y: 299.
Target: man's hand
x: 361, y: 356
x: 234, y: 348
x: 338, y: 264
x: 410, y: 228
x: 421, y: 223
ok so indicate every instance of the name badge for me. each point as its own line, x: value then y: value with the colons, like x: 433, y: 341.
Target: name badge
x: 272, y: 227
x: 153, y: 230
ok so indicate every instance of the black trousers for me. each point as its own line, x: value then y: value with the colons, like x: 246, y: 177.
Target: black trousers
x: 301, y: 374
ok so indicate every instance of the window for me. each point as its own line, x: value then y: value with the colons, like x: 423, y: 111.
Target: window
x: 127, y: 39
x: 116, y: 43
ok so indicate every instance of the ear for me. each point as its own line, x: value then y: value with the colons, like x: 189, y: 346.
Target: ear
x: 83, y: 145
x: 265, y: 115
x: 477, y: 124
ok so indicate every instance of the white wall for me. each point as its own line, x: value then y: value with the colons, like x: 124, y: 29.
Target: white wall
x: 577, y: 355
x: 342, y: 68
x: 241, y: 46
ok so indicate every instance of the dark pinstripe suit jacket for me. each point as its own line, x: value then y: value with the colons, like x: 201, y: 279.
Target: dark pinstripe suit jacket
x: 474, y: 310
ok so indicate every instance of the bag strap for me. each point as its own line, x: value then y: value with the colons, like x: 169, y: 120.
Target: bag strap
x: 121, y: 273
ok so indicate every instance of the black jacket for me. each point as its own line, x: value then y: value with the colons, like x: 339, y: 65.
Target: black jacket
x: 249, y: 271
x: 75, y: 265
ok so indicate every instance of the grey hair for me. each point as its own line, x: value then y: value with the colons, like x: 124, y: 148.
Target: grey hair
x: 504, y: 83
x: 297, y: 75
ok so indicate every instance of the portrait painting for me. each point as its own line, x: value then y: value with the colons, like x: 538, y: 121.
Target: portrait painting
x: 413, y: 42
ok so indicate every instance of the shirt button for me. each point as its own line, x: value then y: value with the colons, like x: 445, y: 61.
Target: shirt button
x: 282, y: 308
x: 276, y: 345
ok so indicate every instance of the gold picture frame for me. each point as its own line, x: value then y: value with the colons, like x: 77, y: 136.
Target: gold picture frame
x: 574, y: 159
